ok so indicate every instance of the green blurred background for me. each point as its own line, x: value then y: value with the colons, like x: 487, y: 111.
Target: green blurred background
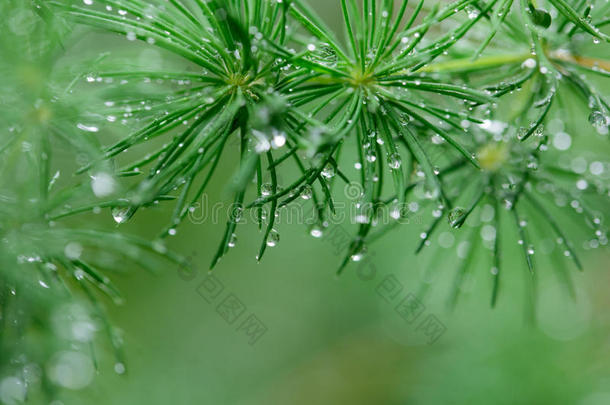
x: 338, y: 340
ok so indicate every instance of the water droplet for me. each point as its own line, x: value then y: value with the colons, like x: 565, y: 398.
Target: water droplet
x: 473, y: 12
x: 539, y: 16
x: 396, y: 212
x: 87, y: 128
x: 362, y: 218
x: 328, y: 171
x: 72, y: 370
x: 237, y: 213
x: 102, y: 184
x: 596, y: 168
x: 73, y: 250
x: 12, y: 390
x: 359, y: 255
x: 431, y: 192
x: 529, y: 63
x: 79, y: 274
x: 316, y: 231
x: 488, y: 233
x: 456, y: 217
x: 273, y: 239
x: 307, y: 192
x: 325, y: 55
x: 121, y: 214
x: 262, y: 144
x: 266, y: 189
x: 599, y: 120
x: 562, y: 141
x: 232, y: 240
x: 119, y: 368
x: 405, y: 119
x: 394, y: 161
x: 278, y: 139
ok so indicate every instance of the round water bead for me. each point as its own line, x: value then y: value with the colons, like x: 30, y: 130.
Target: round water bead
x: 456, y: 217
x: 273, y: 239
x: 394, y: 161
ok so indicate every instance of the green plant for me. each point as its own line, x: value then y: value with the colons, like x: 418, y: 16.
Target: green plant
x: 55, y: 274
x: 452, y: 101
x: 385, y: 92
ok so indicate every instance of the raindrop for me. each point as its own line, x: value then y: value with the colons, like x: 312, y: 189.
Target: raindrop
x: 266, y: 190
x: 596, y: 168
x: 12, y: 391
x: 72, y: 370
x: 328, y: 171
x: 87, y: 128
x: 456, y: 217
x: 540, y: 17
x: 119, y: 368
x: 562, y: 141
x: 431, y: 192
x: 73, y: 250
x: 404, y: 120
x: 599, y: 120
x: 394, y: 161
x: 359, y: 254
x: 102, y: 184
x: 488, y: 233
x: 316, y: 231
x: 473, y: 12
x: 307, y: 192
x: 325, y: 55
x: 278, y: 140
x: 529, y: 63
x: 232, y: 240
x: 121, y: 214
x: 273, y: 239
x: 236, y: 213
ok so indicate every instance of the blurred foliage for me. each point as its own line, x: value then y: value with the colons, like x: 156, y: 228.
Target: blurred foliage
x: 52, y: 276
